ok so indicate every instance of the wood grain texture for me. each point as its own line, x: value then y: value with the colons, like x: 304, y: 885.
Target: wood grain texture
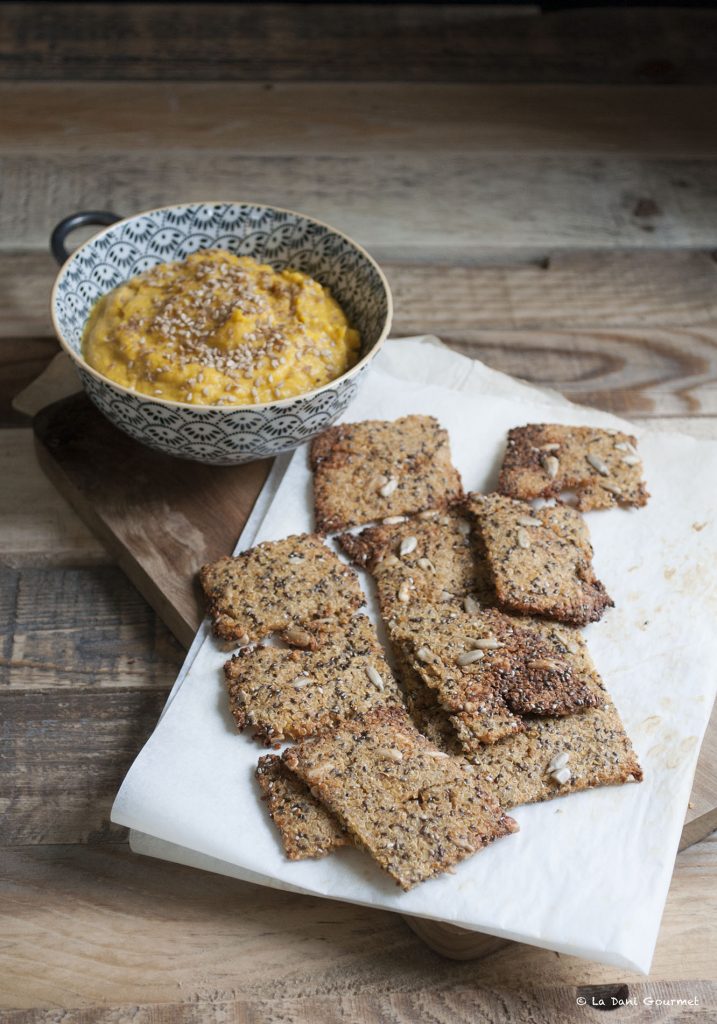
x: 454, y: 1006
x: 399, y: 207
x: 106, y: 635
x: 25, y: 283
x: 352, y: 119
x: 97, y: 927
x: 65, y: 755
x: 638, y: 373
x: 37, y: 526
x: 633, y: 373
x: 584, y: 290
x: 364, y: 42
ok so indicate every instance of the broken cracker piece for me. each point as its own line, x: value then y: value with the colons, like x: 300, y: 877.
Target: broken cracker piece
x: 291, y: 694
x: 378, y: 468
x: 278, y: 585
x: 489, y: 669
x: 426, y: 712
x: 601, y: 466
x: 416, y: 810
x: 307, y: 829
x: 540, y: 559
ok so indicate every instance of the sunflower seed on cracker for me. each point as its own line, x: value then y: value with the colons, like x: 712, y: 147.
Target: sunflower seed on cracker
x: 470, y: 657
x: 598, y: 464
x: 375, y: 677
x: 559, y: 761
x: 551, y: 465
x: 408, y: 546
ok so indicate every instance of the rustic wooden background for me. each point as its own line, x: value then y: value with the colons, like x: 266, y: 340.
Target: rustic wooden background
x: 541, y: 191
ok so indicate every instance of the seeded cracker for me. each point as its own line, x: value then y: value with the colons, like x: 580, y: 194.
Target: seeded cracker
x: 374, y: 469
x: 291, y: 694
x: 276, y: 586
x: 541, y: 559
x: 414, y: 809
x: 307, y: 829
x: 601, y: 466
x: 489, y: 669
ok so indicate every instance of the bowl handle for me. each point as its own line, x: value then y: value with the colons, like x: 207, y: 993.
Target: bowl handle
x: 76, y: 220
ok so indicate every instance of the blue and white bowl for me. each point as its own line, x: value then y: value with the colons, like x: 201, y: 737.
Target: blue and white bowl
x: 217, y: 434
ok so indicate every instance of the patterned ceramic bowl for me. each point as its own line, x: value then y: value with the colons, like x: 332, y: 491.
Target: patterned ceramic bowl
x: 220, y: 435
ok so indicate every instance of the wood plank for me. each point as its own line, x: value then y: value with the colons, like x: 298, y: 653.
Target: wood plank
x: 353, y: 119
x: 593, y: 290
x: 26, y: 338
x: 25, y: 283
x: 459, y: 1006
x: 37, y: 526
x: 362, y: 42
x: 65, y: 755
x: 418, y: 208
x: 105, y: 634
x: 632, y: 372
x: 97, y: 927
x: 109, y: 642
x: 636, y: 373
x: 576, y: 290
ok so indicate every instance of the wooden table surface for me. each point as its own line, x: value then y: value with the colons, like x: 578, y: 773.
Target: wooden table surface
x: 541, y: 192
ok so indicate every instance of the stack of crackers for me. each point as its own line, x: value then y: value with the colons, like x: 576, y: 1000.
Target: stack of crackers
x: 486, y: 697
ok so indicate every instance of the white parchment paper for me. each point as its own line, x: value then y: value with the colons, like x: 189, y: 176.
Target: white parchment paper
x: 587, y: 874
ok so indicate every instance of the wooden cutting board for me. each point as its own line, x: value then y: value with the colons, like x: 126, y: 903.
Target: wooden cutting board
x: 162, y: 518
